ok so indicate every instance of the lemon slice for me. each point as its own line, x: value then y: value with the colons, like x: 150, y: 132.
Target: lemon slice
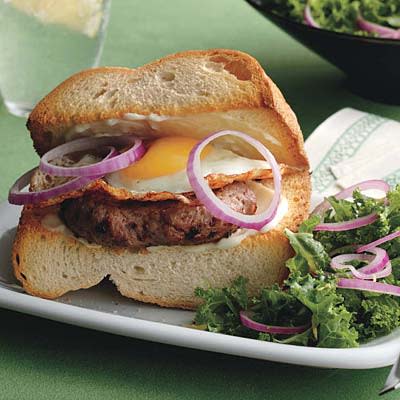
x: 79, y: 15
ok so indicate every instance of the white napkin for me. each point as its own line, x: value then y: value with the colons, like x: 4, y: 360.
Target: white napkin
x: 352, y: 146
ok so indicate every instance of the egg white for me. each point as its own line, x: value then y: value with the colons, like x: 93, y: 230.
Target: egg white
x: 218, y: 161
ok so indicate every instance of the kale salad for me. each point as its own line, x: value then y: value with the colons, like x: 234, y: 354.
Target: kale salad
x: 360, y: 17
x: 343, y: 285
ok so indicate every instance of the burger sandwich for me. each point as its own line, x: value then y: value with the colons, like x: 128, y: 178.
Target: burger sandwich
x: 179, y: 174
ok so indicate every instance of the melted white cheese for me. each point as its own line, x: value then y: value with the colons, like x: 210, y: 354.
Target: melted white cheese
x: 53, y: 223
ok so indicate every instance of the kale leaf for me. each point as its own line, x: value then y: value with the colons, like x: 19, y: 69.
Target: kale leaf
x: 331, y: 321
x: 221, y: 307
x: 310, y: 254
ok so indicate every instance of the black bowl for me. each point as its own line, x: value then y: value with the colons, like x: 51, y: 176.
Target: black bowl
x: 372, y: 65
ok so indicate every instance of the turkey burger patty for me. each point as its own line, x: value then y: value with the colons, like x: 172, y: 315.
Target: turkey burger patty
x: 141, y: 224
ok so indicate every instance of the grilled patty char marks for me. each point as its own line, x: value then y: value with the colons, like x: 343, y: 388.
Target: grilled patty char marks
x: 136, y: 224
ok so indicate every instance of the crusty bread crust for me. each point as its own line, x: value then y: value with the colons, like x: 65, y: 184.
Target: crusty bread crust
x: 49, y: 263
x: 186, y: 83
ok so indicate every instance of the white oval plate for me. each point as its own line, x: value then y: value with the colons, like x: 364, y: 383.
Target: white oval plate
x: 103, y: 309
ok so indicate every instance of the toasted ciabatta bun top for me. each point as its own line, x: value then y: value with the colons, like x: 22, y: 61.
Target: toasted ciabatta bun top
x: 193, y: 93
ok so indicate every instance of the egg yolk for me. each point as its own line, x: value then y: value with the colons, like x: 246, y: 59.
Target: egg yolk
x: 164, y: 156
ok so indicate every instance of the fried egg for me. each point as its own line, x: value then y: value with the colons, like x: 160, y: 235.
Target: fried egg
x: 163, y: 167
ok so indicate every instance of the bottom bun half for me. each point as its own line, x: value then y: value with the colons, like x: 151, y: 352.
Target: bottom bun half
x: 49, y: 263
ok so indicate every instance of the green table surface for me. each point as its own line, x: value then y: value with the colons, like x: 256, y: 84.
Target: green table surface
x: 40, y: 359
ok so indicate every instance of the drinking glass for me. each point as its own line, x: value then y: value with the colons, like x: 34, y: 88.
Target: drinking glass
x: 42, y: 42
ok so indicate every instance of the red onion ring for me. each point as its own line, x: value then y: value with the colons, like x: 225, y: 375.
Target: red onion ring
x: 376, y: 184
x: 213, y: 204
x: 382, y: 31
x: 107, y: 165
x: 308, y: 18
x: 370, y: 286
x: 344, y: 194
x: 367, y: 247
x: 245, y: 319
x: 379, y: 266
x: 347, y: 225
x: 17, y: 197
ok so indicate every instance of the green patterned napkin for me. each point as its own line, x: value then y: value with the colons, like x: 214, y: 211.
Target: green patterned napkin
x: 352, y: 146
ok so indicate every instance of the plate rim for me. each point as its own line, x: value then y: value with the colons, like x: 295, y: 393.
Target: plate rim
x: 372, y: 356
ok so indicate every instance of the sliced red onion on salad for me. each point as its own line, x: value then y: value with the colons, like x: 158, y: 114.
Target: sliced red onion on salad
x: 18, y: 197
x: 248, y: 322
x: 369, y: 286
x: 308, y: 18
x: 379, y: 265
x: 385, y: 272
x: 387, y: 238
x: 347, y: 225
x: 217, y: 207
x: 382, y: 31
x: 107, y: 165
x: 374, y: 184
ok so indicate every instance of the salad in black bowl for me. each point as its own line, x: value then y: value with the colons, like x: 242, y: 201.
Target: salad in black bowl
x: 361, y: 37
